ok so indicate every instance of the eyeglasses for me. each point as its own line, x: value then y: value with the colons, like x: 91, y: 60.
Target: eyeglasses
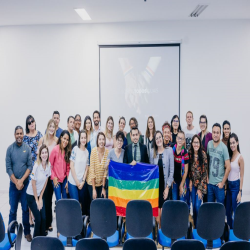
x: 196, y: 143
x: 30, y: 122
x: 202, y: 122
x: 158, y: 138
x: 120, y: 141
x: 180, y: 139
x: 176, y: 121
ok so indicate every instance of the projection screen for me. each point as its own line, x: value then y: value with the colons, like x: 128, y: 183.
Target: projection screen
x: 139, y: 81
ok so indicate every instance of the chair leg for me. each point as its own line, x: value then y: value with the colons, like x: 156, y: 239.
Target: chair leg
x: 209, y: 244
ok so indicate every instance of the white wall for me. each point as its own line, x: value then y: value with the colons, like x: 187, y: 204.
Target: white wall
x: 55, y: 67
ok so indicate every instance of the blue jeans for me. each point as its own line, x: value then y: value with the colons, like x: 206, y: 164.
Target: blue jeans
x: 60, y: 191
x: 189, y: 194
x: 176, y: 191
x: 196, y: 204
x: 215, y: 193
x: 233, y: 188
x: 16, y: 196
x: 76, y: 193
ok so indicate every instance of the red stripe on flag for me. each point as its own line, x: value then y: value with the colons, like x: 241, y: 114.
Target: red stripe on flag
x: 155, y: 211
x: 121, y: 211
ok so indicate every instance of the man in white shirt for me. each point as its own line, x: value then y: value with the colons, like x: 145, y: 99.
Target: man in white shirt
x: 96, y: 120
x: 190, y: 130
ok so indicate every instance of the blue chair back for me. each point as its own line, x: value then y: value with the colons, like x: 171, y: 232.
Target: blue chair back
x: 90, y: 244
x: 69, y: 217
x: 46, y: 243
x: 103, y: 217
x: 236, y: 245
x: 211, y: 220
x: 242, y: 221
x: 142, y: 243
x: 188, y: 245
x: 174, y: 219
x: 2, y: 229
x: 139, y: 218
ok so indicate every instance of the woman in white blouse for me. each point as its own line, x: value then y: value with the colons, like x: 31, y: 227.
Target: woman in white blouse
x: 79, y: 164
x: 39, y: 178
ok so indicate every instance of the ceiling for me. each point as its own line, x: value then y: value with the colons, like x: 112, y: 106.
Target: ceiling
x: 33, y: 12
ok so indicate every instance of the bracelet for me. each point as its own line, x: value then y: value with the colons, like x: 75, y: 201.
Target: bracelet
x: 241, y: 190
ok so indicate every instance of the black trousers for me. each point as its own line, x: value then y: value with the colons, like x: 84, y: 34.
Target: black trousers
x: 98, y: 191
x: 47, y: 197
x: 40, y: 219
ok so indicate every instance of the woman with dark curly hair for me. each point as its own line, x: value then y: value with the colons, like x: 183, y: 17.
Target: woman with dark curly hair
x: 60, y: 165
x: 197, y: 174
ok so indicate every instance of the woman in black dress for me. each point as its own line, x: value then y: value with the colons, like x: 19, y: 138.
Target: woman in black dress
x: 163, y: 157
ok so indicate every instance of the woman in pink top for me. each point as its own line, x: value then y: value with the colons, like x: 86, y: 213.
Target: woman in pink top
x: 109, y: 133
x: 60, y: 165
x: 235, y: 178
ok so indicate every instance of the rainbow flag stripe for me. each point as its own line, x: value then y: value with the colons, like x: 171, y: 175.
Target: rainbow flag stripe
x: 139, y: 182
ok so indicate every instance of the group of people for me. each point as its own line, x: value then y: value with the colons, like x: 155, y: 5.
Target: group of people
x: 194, y: 165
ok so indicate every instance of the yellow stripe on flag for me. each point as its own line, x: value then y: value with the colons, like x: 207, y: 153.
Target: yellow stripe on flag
x: 134, y: 194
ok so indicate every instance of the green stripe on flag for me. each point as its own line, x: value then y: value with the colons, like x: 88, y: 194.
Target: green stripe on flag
x: 133, y: 185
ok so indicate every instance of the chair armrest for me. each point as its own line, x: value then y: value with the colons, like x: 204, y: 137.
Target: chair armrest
x: 154, y: 228
x: 120, y: 225
x: 190, y: 230
x: 85, y: 225
x: 14, y: 222
x: 225, y: 237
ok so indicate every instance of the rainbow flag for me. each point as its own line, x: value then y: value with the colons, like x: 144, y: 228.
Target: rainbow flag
x: 127, y: 182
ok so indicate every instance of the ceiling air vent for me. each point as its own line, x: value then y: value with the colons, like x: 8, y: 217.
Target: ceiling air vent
x: 198, y: 10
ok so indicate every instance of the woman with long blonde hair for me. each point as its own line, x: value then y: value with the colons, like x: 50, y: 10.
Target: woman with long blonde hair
x: 109, y: 133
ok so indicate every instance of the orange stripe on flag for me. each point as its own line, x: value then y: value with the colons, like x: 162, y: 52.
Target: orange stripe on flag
x: 119, y: 202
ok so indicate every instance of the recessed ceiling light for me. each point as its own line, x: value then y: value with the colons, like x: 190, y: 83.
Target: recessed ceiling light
x: 83, y: 14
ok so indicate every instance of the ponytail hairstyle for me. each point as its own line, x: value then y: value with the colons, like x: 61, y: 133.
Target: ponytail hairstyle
x: 233, y: 135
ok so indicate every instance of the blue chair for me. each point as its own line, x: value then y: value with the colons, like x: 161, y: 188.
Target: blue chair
x: 241, y: 229
x: 103, y: 221
x: 174, y: 223
x: 69, y: 221
x: 89, y: 244
x: 140, y: 222
x: 48, y: 243
x: 188, y: 245
x: 7, y: 240
x: 141, y: 243
x: 210, y: 225
x: 236, y: 245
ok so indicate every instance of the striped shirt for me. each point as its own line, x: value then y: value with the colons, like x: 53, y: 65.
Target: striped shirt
x: 97, y: 170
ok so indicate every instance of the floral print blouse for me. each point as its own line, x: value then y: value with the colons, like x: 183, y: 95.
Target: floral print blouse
x: 198, y: 174
x: 32, y: 142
